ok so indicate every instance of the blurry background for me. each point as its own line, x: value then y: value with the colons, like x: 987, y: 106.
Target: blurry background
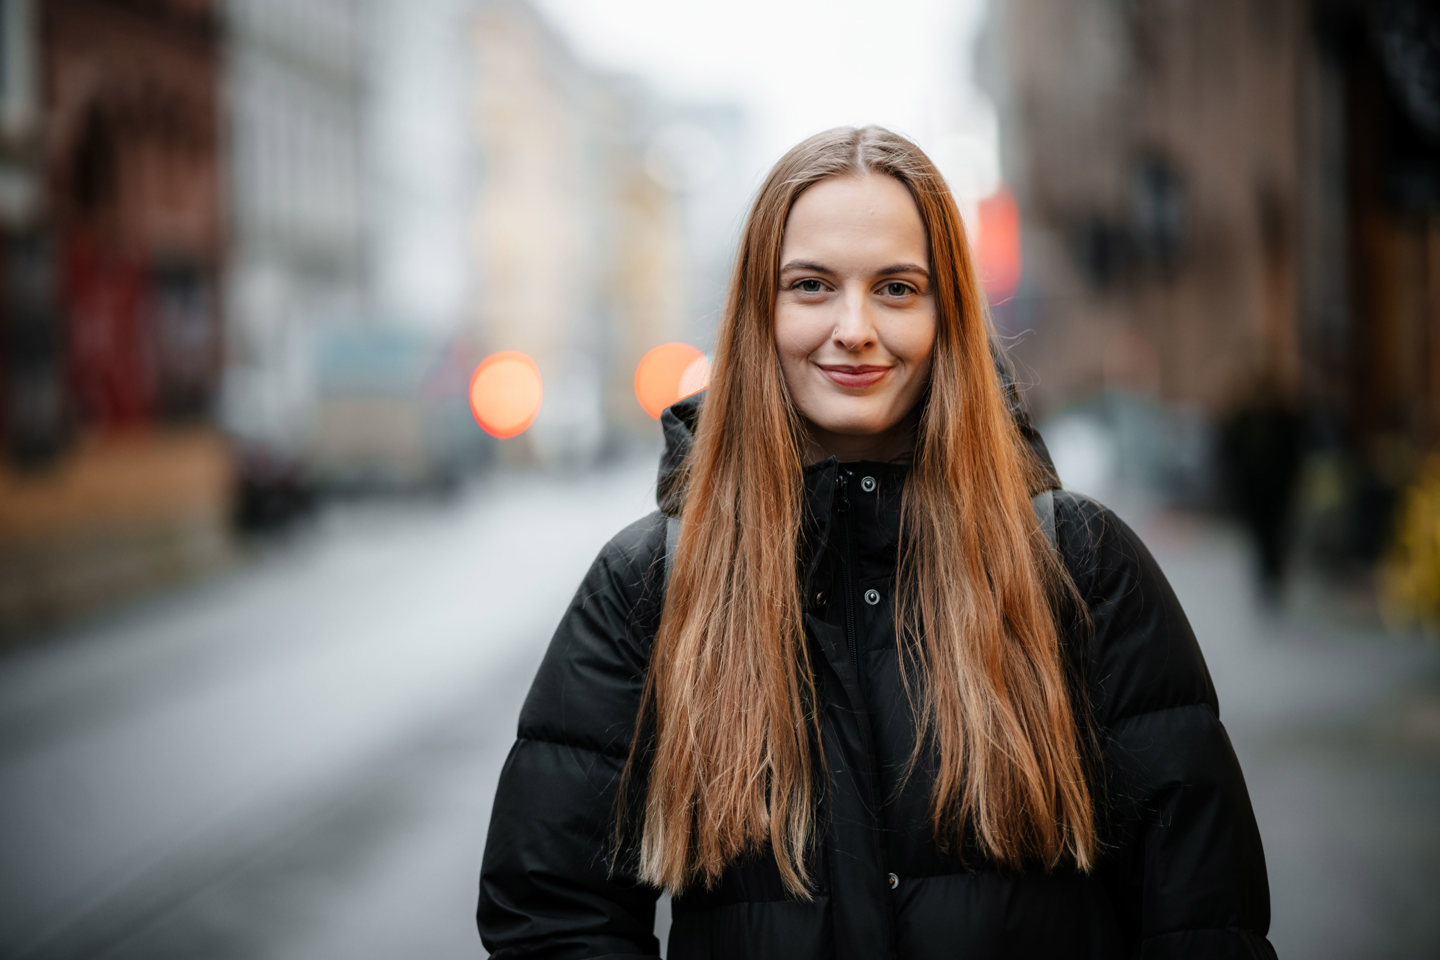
x: 269, y: 597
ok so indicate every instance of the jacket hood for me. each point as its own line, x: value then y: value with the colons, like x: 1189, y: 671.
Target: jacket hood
x: 677, y: 423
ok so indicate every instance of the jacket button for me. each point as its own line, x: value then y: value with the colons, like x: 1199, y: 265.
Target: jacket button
x: 872, y: 597
x: 867, y: 484
x: 893, y: 880
x: 819, y: 598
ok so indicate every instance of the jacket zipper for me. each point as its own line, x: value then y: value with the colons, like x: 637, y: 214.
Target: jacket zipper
x: 849, y: 586
x: 872, y: 778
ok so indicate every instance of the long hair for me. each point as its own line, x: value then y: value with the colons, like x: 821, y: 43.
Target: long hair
x: 733, y: 745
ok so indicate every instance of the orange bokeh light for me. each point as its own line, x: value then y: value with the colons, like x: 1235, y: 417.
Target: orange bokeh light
x: 505, y: 393
x: 668, y: 373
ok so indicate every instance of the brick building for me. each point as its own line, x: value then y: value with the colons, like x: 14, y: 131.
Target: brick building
x: 132, y: 187
x: 1221, y: 192
x: 113, y: 476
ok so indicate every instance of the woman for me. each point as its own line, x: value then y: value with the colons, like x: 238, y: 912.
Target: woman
x: 874, y: 702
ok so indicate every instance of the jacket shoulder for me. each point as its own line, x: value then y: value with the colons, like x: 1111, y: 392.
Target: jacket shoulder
x: 549, y: 885
x: 587, y: 690
x: 1143, y: 655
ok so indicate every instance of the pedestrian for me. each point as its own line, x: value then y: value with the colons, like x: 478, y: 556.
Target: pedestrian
x: 1262, y: 453
x: 869, y: 684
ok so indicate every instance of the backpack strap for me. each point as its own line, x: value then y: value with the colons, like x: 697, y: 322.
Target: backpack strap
x: 672, y: 541
x: 1043, y: 503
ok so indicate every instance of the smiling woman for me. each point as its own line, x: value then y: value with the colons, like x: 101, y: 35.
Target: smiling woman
x: 869, y: 683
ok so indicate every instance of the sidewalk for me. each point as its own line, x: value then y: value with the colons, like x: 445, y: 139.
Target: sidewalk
x: 1337, y: 727
x: 116, y: 517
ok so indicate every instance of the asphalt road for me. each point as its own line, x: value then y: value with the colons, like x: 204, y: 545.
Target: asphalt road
x: 261, y: 766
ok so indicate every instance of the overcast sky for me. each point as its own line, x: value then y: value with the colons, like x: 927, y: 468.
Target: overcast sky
x: 801, y: 66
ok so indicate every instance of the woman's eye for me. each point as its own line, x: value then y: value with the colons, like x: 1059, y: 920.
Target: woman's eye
x: 808, y: 286
x: 897, y: 289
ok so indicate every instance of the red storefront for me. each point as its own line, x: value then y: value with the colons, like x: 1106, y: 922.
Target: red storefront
x: 125, y: 342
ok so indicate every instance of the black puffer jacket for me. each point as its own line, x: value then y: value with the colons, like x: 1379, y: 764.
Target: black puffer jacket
x: 1183, y: 874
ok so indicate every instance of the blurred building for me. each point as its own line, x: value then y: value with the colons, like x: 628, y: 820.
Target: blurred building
x: 113, y: 224
x: 700, y: 151
x: 424, y: 171
x: 298, y: 91
x: 578, y: 250
x: 31, y: 380
x: 391, y: 410
x: 1216, y: 194
x: 19, y: 113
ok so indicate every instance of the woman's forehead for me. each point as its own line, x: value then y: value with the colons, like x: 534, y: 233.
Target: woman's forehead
x: 855, y: 220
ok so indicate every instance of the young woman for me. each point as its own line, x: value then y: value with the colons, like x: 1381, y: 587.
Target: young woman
x: 888, y: 693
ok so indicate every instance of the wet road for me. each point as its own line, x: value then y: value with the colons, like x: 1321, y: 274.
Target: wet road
x: 296, y: 761
x: 262, y: 768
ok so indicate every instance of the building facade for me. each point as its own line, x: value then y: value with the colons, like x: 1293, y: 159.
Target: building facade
x: 132, y: 147
x: 579, y: 253
x: 113, y: 474
x: 298, y: 93
x: 1216, y: 194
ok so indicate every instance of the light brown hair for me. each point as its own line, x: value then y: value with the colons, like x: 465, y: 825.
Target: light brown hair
x: 733, y: 746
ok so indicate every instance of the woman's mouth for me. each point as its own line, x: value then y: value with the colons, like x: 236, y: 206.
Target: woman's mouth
x: 854, y: 376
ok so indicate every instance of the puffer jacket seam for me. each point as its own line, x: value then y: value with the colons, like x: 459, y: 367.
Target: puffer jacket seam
x: 1126, y: 718
x: 1181, y: 931
x: 572, y: 745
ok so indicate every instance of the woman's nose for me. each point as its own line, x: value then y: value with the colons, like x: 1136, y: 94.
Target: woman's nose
x: 854, y: 329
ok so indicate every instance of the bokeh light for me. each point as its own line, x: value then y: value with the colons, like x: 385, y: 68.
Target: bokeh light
x: 999, y: 244
x: 667, y: 373
x: 696, y: 376
x: 505, y: 393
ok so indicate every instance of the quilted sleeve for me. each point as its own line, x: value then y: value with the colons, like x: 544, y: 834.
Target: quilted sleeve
x: 1191, y: 879
x: 546, y: 884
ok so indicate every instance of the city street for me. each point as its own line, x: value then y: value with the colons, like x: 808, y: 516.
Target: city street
x: 296, y: 759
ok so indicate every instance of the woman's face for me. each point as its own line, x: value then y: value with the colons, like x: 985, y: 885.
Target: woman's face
x: 855, y: 315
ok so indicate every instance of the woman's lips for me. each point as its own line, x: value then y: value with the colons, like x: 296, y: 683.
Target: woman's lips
x: 847, y: 376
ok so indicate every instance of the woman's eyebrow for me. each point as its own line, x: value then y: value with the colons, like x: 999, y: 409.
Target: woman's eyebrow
x: 905, y: 268
x: 809, y: 265
x: 814, y: 266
